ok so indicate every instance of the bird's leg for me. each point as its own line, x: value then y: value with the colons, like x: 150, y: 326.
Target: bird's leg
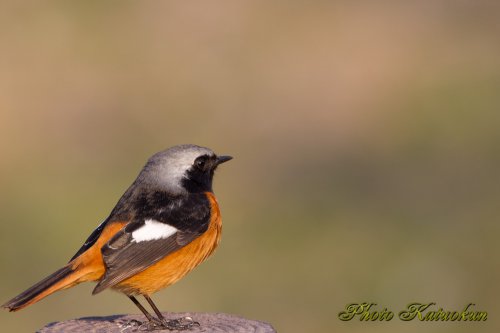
x: 153, y: 322
x: 139, y: 305
x: 173, y: 324
x: 155, y: 309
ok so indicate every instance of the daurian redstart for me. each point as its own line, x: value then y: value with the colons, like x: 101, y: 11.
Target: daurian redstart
x: 165, y: 224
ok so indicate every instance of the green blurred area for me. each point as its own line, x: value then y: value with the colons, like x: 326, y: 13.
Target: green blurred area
x: 365, y: 135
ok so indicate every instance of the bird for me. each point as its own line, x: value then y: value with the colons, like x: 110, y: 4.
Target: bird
x: 165, y: 224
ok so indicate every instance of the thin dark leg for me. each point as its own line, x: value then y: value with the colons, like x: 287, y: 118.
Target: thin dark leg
x: 173, y: 324
x: 155, y: 309
x: 143, y: 310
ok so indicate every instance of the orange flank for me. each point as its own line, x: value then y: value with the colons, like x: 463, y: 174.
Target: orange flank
x: 89, y: 264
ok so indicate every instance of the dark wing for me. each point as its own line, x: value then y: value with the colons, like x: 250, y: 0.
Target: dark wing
x: 124, y: 257
x: 163, y: 226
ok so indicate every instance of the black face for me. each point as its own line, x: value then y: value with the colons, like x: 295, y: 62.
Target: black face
x: 200, y: 175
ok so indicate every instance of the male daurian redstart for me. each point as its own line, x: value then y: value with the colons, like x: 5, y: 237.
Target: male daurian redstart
x: 165, y: 224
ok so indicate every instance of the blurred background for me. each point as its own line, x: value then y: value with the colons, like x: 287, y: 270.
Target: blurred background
x: 366, y: 141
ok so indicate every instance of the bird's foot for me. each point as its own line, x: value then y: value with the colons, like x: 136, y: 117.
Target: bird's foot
x: 151, y: 325
x: 181, y: 324
x: 133, y: 325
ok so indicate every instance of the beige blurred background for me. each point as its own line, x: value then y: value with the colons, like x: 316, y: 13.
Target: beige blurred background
x: 366, y: 138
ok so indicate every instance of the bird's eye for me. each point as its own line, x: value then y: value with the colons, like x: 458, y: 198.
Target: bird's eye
x: 200, y: 163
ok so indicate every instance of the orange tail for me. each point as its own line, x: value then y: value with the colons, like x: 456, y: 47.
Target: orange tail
x: 61, y: 279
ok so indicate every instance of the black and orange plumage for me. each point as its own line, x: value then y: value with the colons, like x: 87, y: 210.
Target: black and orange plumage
x: 165, y: 224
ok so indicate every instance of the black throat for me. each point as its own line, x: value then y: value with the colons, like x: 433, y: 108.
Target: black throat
x: 198, y: 181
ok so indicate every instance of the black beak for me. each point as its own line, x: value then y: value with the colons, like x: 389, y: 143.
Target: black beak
x: 222, y: 159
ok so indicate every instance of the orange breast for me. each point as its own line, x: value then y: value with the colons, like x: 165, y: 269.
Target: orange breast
x: 176, y: 265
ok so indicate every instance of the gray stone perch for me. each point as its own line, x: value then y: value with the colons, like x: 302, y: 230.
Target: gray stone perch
x: 209, y: 322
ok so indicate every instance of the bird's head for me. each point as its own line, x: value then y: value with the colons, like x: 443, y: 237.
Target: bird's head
x: 182, y: 169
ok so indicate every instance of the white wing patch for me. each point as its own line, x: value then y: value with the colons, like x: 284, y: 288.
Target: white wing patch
x: 153, y: 230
